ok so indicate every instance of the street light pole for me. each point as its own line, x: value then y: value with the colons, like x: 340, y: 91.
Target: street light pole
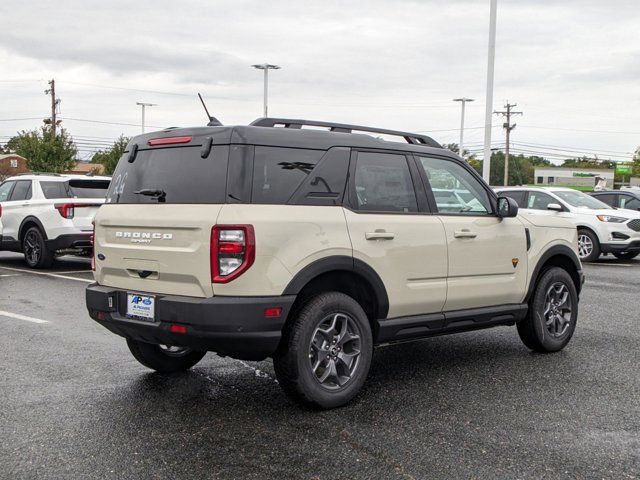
x: 266, y: 67
x: 486, y: 161
x: 143, y: 105
x: 463, y: 101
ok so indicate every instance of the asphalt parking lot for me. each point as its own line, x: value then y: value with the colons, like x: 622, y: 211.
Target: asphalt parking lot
x: 75, y: 404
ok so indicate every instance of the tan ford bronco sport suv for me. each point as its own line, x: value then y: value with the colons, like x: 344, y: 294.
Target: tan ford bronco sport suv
x: 312, y: 243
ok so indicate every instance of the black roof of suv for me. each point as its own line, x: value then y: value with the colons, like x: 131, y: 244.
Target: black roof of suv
x: 295, y: 133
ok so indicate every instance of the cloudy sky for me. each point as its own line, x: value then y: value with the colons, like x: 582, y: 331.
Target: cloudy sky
x: 572, y: 66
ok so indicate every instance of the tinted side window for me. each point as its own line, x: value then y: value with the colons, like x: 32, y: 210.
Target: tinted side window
x: 382, y: 183
x: 55, y: 190
x: 517, y: 195
x: 628, y: 202
x: 22, y: 191
x: 540, y: 201
x: 455, y: 189
x: 325, y: 185
x: 608, y: 199
x: 5, y: 190
x: 278, y: 172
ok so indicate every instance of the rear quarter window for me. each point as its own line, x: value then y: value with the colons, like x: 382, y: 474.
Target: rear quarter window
x: 278, y: 172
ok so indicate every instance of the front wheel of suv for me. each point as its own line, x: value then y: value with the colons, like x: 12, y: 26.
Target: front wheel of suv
x: 553, y: 312
x: 35, y: 249
x: 164, y: 358
x: 325, y: 354
x: 588, y: 246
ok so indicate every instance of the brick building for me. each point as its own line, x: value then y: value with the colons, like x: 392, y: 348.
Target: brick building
x: 12, y: 164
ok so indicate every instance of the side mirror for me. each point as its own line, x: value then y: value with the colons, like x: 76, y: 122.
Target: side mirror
x: 507, y: 207
x: 555, y: 207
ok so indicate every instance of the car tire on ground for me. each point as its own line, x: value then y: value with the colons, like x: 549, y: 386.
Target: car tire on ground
x: 626, y: 255
x: 588, y: 245
x: 164, y: 358
x: 325, y: 354
x: 34, y: 247
x: 553, y: 312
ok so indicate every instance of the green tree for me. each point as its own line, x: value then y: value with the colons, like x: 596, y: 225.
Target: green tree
x: 109, y: 157
x: 636, y: 164
x: 43, y: 151
x: 455, y: 148
x: 521, y: 168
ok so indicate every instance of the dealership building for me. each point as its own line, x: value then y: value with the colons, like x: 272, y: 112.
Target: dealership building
x: 574, y: 177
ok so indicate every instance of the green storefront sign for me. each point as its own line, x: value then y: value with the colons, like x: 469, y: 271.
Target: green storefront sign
x: 623, y: 168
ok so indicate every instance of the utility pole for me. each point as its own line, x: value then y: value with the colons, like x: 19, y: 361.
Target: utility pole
x: 486, y: 161
x: 143, y: 105
x: 265, y: 67
x: 53, y: 121
x: 463, y: 101
x: 508, y: 127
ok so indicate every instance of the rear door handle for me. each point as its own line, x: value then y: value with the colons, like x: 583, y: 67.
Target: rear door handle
x: 379, y: 235
x: 464, y: 234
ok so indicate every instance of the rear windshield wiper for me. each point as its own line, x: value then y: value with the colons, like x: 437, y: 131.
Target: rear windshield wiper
x: 153, y: 192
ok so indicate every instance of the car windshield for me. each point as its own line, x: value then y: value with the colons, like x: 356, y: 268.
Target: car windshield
x: 580, y: 199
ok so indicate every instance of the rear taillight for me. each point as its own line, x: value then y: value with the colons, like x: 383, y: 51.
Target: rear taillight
x: 92, y: 241
x: 67, y: 210
x: 233, y: 250
x: 0, y: 210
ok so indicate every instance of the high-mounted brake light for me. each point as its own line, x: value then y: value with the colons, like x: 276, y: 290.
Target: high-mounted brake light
x: 233, y: 250
x: 67, y: 210
x: 168, y: 140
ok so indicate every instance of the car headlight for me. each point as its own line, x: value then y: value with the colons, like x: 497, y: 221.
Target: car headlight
x: 611, y: 219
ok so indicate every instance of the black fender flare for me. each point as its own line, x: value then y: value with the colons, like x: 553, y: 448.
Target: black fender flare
x: 341, y: 263
x: 555, y: 250
x: 31, y: 219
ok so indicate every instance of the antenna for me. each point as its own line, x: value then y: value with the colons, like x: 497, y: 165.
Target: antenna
x: 213, y: 121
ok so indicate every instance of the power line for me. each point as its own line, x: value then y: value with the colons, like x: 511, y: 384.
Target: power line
x: 508, y: 127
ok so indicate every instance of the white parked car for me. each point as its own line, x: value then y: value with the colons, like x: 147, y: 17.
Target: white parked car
x: 45, y: 215
x: 601, y: 229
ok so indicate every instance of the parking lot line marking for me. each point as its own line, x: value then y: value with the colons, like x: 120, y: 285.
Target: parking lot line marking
x: 74, y: 271
x: 17, y: 316
x: 612, y: 264
x: 48, y: 274
x: 9, y: 274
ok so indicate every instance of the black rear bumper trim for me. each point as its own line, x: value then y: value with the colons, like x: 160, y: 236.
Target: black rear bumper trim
x: 231, y: 326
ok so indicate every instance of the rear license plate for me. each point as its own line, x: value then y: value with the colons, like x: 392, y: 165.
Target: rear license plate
x: 141, y: 307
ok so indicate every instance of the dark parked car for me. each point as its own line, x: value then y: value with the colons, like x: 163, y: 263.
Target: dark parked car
x: 626, y: 199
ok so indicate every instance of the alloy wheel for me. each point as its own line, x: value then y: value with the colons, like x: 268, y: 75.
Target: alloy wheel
x: 585, y: 245
x: 32, y: 250
x: 557, y: 309
x: 334, y: 351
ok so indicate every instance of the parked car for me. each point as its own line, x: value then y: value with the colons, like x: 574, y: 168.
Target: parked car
x: 601, y: 229
x: 313, y: 246
x: 625, y: 199
x: 46, y: 215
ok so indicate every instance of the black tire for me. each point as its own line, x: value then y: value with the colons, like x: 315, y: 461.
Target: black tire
x: 161, y: 359
x: 595, y: 243
x: 300, y: 348
x: 34, y: 247
x: 536, y: 331
x: 626, y: 255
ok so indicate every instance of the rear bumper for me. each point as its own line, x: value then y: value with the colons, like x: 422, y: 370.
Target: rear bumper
x: 73, y: 240
x: 233, y: 326
x: 633, y: 246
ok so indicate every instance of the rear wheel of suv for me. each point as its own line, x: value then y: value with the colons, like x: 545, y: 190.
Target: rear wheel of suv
x: 626, y: 255
x: 553, y: 312
x: 326, y: 352
x: 35, y: 249
x: 588, y: 245
x: 164, y: 358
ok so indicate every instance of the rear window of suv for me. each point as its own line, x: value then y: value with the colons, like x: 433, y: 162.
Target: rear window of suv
x: 75, y: 188
x: 179, y: 173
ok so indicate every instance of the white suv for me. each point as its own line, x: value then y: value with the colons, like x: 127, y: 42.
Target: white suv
x: 601, y: 228
x: 45, y: 215
x: 313, y: 246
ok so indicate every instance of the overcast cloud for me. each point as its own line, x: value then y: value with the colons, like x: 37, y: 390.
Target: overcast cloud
x: 573, y: 67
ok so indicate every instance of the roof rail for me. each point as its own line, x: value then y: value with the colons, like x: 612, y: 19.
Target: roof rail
x: 413, y: 138
x: 39, y: 173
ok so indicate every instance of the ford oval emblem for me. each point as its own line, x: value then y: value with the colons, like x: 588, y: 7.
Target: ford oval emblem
x: 101, y: 256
